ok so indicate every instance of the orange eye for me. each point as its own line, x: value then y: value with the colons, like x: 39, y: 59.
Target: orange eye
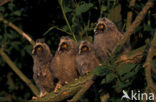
x: 84, y: 48
x: 64, y: 46
x: 101, y: 26
x: 38, y: 48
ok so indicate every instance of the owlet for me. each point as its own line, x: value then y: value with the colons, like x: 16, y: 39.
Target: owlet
x: 106, y: 37
x: 86, y: 60
x: 63, y: 63
x: 42, y: 75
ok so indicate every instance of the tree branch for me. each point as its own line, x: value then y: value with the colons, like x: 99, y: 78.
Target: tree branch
x: 18, y: 72
x: 148, y: 65
x: 18, y: 30
x: 66, y: 91
x: 130, y: 14
x: 82, y: 91
x: 2, y: 2
x: 134, y: 56
x: 136, y: 23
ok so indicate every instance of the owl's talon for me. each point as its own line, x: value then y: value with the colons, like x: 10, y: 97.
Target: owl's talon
x: 86, y: 73
x: 58, y: 86
x: 66, y: 82
x: 34, y: 98
x: 43, y: 94
x: 100, y: 64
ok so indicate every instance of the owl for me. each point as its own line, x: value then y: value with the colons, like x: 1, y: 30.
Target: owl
x: 106, y: 37
x: 63, y: 63
x: 86, y: 60
x: 42, y: 75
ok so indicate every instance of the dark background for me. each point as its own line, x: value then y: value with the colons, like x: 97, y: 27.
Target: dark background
x: 35, y: 17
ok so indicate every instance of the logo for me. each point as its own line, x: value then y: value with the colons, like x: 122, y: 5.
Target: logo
x: 137, y: 95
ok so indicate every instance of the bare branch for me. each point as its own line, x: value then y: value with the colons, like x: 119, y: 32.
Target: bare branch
x: 148, y: 65
x: 82, y: 91
x: 66, y: 91
x: 136, y: 23
x: 18, y: 30
x: 18, y: 72
x: 130, y: 14
x: 134, y: 56
x: 2, y: 2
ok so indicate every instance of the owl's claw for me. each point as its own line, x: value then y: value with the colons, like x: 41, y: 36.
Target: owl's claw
x: 57, y: 87
x: 66, y: 82
x: 43, y: 94
x: 34, y: 97
x: 87, y: 72
x: 100, y: 64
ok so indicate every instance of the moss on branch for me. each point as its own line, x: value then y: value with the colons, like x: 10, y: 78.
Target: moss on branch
x: 66, y: 91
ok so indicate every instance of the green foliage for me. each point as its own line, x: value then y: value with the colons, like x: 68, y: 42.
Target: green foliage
x: 18, y: 49
x: 127, y: 71
x: 82, y: 8
x: 108, y: 79
x: 125, y: 74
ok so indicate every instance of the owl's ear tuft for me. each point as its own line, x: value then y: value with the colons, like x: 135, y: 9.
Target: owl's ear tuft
x: 41, y: 40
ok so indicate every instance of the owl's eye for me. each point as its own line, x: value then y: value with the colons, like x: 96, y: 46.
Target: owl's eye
x: 38, y: 48
x: 84, y: 48
x: 64, y: 46
x: 101, y: 27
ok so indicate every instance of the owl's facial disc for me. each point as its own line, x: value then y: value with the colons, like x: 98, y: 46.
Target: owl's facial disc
x: 100, y: 28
